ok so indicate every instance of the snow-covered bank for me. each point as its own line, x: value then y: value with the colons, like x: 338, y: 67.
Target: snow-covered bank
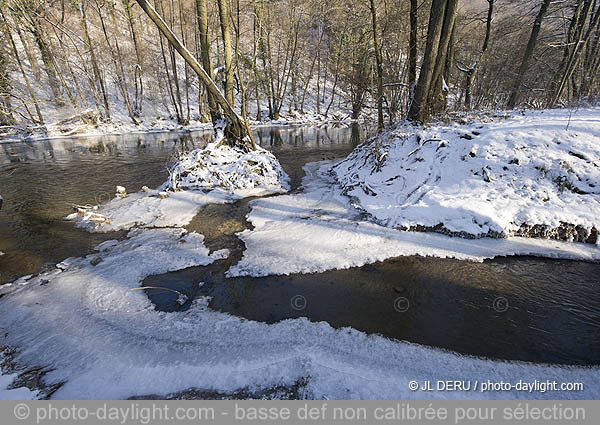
x: 531, y: 175
x: 75, y: 127
x: 84, y: 322
x: 318, y: 230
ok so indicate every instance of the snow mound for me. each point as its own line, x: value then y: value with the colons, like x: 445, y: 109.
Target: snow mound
x: 231, y: 168
x: 85, y: 325
x: 211, y: 175
x: 532, y: 175
x: 319, y: 230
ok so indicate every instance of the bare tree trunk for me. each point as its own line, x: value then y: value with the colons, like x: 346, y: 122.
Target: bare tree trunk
x: 31, y: 58
x: 412, y: 51
x: 537, y: 25
x: 187, y: 76
x: 6, y: 117
x: 95, y: 67
x: 337, y: 71
x: 576, y: 53
x: 206, y: 60
x: 116, y: 59
x: 592, y: 63
x: 574, y: 34
x: 376, y: 47
x: 312, y: 67
x: 173, y: 59
x: 471, y: 70
x: 254, y: 60
x: 229, y: 71
x: 438, y: 89
x: 23, y: 73
x: 47, y: 60
x: 419, y: 108
x: 139, y: 71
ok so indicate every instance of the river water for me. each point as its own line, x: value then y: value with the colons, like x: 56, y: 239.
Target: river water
x: 518, y: 308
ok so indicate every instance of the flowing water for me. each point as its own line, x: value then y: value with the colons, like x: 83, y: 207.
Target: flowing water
x: 518, y: 308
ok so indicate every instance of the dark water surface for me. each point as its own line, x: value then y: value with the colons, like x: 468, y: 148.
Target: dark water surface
x: 517, y: 308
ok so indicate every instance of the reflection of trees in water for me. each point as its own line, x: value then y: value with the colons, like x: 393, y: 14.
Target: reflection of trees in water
x: 153, y: 144
x: 278, y: 137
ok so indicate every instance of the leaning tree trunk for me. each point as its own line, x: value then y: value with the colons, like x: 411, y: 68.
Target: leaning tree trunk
x: 574, y: 34
x: 237, y: 131
x: 6, y: 117
x: 576, y: 56
x: 514, y: 96
x: 48, y: 61
x: 15, y: 52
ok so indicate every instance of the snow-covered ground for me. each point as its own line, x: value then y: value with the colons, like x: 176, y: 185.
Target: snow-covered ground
x: 87, y: 322
x: 537, y: 174
x: 105, y: 340
x: 318, y: 229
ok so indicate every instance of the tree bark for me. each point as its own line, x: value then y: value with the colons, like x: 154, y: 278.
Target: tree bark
x: 537, y: 25
x: 412, y: 51
x: 575, y: 55
x: 419, y: 107
x: 205, y: 53
x: 95, y: 67
x: 376, y: 47
x: 438, y: 89
x: 226, y: 33
x: 471, y: 70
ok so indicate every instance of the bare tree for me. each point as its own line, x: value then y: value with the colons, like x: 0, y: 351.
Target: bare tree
x: 379, y: 63
x: 472, y: 69
x: 514, y: 96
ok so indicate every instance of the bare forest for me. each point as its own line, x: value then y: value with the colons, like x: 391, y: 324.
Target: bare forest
x: 94, y: 59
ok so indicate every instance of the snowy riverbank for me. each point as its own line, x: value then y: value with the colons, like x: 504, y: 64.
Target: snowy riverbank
x: 535, y: 175
x: 78, y: 127
x: 91, y: 330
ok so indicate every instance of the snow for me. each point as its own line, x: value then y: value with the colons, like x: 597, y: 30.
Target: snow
x: 21, y: 393
x: 210, y: 175
x: 484, y: 179
x: 106, y: 341
x: 318, y: 230
x: 147, y: 209
x: 232, y: 168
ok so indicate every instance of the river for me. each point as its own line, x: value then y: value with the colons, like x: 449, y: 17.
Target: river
x: 521, y: 308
